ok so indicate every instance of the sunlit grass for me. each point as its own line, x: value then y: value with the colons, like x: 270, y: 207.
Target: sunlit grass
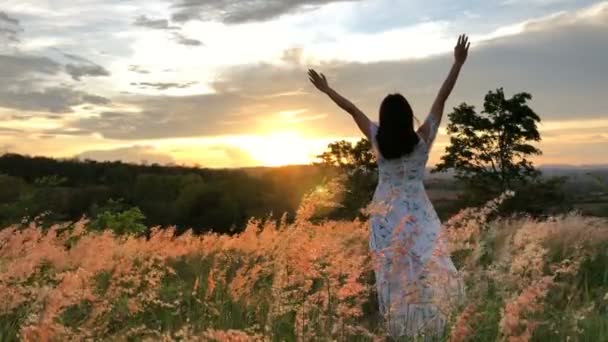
x: 307, y: 280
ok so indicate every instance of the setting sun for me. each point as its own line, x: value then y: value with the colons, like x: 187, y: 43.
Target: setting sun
x: 281, y: 148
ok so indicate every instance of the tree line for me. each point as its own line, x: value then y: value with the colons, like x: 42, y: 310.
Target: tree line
x: 187, y: 197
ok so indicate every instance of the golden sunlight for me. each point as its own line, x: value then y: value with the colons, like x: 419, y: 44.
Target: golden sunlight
x: 281, y: 148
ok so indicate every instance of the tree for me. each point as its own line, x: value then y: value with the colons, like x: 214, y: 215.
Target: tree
x: 349, y: 157
x: 490, y: 150
x: 121, y: 222
x: 11, y: 188
x: 359, y: 163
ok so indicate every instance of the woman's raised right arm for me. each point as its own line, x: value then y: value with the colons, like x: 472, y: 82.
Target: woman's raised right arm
x: 362, y: 121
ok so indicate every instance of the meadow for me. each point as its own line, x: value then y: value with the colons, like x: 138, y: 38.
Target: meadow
x: 527, y: 279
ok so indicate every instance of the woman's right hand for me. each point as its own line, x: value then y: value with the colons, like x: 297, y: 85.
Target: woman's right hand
x: 319, y: 81
x: 461, y: 50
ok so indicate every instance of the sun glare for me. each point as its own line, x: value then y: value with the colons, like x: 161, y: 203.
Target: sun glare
x: 279, y: 149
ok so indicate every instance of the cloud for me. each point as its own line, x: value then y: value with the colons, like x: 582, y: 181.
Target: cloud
x: 183, y: 40
x: 79, y: 71
x: 58, y: 99
x: 83, y: 67
x: 5, y: 18
x: 9, y: 131
x: 559, y: 60
x: 138, y: 69
x: 20, y: 67
x: 8, y: 34
x: 94, y: 99
x: 168, y: 116
x: 163, y: 85
x: 23, y: 86
x: 76, y: 58
x: 293, y: 55
x: 240, y: 11
x: 132, y: 154
x: 9, y: 29
x: 64, y: 131
x: 163, y: 24
x: 19, y: 117
x: 159, y: 24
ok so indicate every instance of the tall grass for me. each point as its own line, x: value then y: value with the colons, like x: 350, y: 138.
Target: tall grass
x: 312, y: 279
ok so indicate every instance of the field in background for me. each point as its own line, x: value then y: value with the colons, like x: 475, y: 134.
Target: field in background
x: 542, y: 280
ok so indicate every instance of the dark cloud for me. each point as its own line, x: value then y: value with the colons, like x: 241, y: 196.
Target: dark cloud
x: 96, y: 100
x: 240, y: 11
x: 83, y: 67
x: 9, y: 34
x: 181, y: 39
x: 158, y: 24
x: 168, y: 116
x: 132, y: 154
x: 76, y: 58
x: 20, y: 88
x: 163, y: 24
x: 58, y: 99
x: 20, y: 67
x: 561, y: 62
x: 25, y: 79
x: 9, y: 29
x: 163, y: 85
x: 77, y: 71
x: 112, y: 115
x: 5, y: 18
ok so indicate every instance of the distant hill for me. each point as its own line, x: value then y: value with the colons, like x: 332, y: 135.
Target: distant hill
x: 574, y: 167
x: 574, y: 171
x: 549, y: 170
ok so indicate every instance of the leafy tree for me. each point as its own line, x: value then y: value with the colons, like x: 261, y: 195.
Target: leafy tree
x: 121, y: 223
x: 349, y: 157
x: 490, y: 150
x: 45, y: 202
x: 359, y: 163
x: 11, y: 188
x: 154, y: 194
x: 112, y: 205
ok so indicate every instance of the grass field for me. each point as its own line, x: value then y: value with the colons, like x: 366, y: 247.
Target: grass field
x: 302, y: 281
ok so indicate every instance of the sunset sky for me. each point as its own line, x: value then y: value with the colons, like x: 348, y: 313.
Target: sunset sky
x: 222, y: 83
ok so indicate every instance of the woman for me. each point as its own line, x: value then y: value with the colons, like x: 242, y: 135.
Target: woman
x: 417, y: 282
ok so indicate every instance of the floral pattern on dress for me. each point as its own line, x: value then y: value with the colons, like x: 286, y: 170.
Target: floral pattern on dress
x: 416, y: 280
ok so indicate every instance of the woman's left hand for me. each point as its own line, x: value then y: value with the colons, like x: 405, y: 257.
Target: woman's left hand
x: 319, y: 81
x: 461, y: 50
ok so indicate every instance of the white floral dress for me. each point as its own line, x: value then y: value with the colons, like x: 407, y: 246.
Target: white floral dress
x: 416, y: 280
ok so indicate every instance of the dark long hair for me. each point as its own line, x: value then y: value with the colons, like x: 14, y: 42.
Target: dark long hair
x: 396, y: 136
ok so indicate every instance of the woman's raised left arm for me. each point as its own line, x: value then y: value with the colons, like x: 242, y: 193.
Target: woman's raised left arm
x: 461, y: 51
